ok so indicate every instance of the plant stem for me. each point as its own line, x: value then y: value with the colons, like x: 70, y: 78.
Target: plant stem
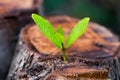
x: 64, y: 53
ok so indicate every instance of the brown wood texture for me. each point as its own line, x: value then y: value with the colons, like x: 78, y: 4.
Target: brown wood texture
x: 95, y: 55
x: 11, y: 8
x: 14, y: 14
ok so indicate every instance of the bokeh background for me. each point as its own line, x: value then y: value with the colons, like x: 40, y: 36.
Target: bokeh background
x: 104, y: 12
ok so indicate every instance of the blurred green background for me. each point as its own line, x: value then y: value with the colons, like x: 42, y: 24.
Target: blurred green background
x: 104, y: 12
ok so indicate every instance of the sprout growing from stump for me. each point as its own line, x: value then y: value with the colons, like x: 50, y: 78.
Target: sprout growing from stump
x: 58, y: 37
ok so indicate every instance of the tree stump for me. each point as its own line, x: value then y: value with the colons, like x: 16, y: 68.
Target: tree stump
x: 94, y: 56
x: 13, y: 16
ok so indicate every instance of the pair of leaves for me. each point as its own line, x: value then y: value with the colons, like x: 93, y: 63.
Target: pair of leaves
x: 57, y: 38
x: 47, y: 29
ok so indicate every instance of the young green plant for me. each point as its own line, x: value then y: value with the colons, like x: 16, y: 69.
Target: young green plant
x: 58, y: 37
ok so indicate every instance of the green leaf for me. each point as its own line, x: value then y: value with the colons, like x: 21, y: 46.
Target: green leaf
x: 59, y: 39
x: 60, y: 30
x: 77, y: 31
x: 47, y: 29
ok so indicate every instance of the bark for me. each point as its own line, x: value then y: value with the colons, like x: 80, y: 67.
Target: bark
x: 13, y: 16
x: 95, y: 55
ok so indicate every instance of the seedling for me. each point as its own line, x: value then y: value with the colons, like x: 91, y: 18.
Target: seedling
x: 58, y: 37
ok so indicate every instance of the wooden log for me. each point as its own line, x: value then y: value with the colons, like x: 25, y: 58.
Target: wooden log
x: 91, y: 57
x: 14, y: 15
x: 14, y: 8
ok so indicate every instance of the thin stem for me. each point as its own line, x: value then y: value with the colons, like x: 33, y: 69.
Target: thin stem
x: 64, y: 53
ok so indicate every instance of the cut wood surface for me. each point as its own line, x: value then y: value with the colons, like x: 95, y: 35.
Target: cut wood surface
x: 90, y: 57
x: 14, y: 14
x: 77, y: 73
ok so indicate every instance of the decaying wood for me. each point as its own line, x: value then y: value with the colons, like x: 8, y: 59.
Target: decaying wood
x: 14, y: 14
x: 95, y: 55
